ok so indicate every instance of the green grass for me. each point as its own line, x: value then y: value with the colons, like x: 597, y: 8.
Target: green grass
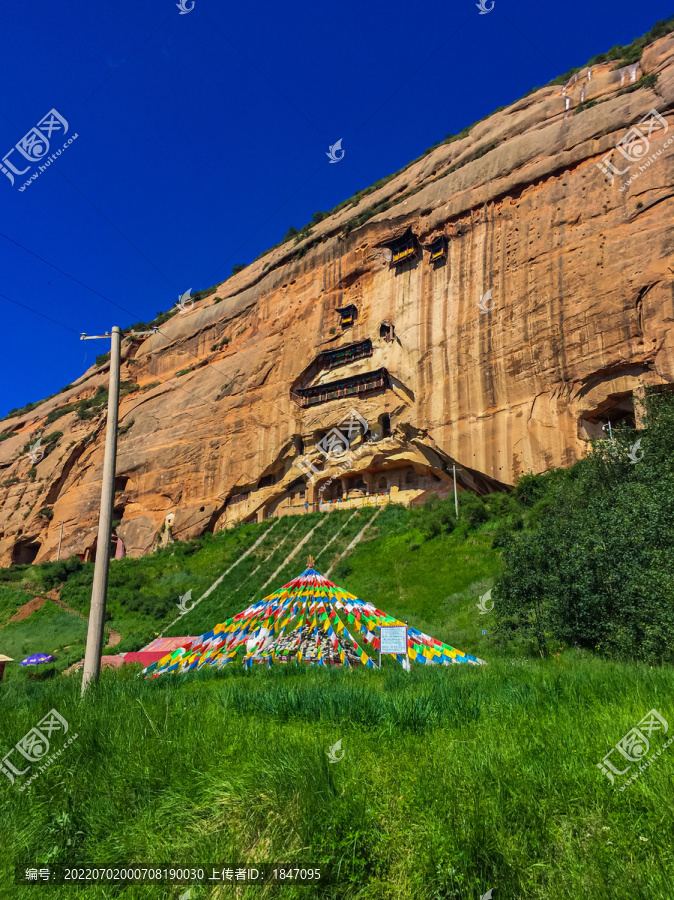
x: 454, y: 780
x: 11, y: 598
x: 48, y: 630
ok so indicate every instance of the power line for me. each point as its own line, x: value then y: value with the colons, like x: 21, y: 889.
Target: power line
x: 130, y: 313
x: 71, y: 277
x: 30, y: 309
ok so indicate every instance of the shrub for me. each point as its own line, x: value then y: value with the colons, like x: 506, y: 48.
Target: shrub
x: 435, y: 517
x: 597, y: 570
x: 46, y: 513
x: 646, y: 81
x: 58, y: 413
x: 583, y: 106
x: 501, y: 504
x: 200, y: 295
x: 472, y: 510
x: 102, y: 359
x: 239, y: 268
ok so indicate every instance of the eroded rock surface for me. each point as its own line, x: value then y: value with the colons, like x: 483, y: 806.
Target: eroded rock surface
x: 552, y: 309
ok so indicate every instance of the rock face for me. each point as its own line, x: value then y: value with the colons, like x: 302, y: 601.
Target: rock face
x: 550, y: 310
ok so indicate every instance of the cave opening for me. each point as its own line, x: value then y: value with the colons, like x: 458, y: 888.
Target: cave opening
x: 617, y: 410
x: 25, y: 552
x: 387, y: 331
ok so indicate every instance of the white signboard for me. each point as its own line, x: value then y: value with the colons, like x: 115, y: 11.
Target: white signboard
x: 393, y: 639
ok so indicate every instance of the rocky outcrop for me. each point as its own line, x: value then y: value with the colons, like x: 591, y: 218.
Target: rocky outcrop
x: 551, y: 309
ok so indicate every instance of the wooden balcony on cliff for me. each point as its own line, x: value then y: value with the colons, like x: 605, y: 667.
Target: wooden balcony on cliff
x: 439, y: 249
x: 404, y: 248
x: 345, y: 387
x: 331, y: 359
x: 348, y: 315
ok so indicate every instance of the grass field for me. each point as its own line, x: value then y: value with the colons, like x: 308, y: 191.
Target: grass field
x: 454, y: 780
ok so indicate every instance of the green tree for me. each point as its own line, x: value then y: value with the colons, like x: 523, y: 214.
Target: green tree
x: 597, y: 568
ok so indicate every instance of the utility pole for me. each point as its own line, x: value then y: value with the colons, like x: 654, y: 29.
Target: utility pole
x: 58, y: 553
x: 610, y: 433
x: 99, y: 590
x: 456, y: 499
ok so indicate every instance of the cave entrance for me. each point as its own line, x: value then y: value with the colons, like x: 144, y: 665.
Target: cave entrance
x: 616, y: 410
x: 387, y: 331
x: 25, y: 552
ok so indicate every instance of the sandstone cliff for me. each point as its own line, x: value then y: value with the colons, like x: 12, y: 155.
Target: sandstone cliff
x: 550, y: 309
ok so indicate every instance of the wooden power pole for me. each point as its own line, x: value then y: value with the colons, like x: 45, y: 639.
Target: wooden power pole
x: 99, y: 590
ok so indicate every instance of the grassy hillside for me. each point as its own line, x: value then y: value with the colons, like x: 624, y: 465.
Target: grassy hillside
x: 433, y: 580
x: 454, y: 779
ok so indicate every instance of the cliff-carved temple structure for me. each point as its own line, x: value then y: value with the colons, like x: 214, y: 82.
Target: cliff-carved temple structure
x: 513, y: 294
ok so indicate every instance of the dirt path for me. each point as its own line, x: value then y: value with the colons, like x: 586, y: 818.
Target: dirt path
x: 27, y: 610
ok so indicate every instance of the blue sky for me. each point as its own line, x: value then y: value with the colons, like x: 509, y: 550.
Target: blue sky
x: 202, y: 137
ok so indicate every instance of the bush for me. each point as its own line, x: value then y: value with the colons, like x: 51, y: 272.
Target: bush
x: 435, y: 517
x: 472, y: 510
x: 597, y: 570
x: 58, y: 413
x: 501, y: 504
x: 646, y: 81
